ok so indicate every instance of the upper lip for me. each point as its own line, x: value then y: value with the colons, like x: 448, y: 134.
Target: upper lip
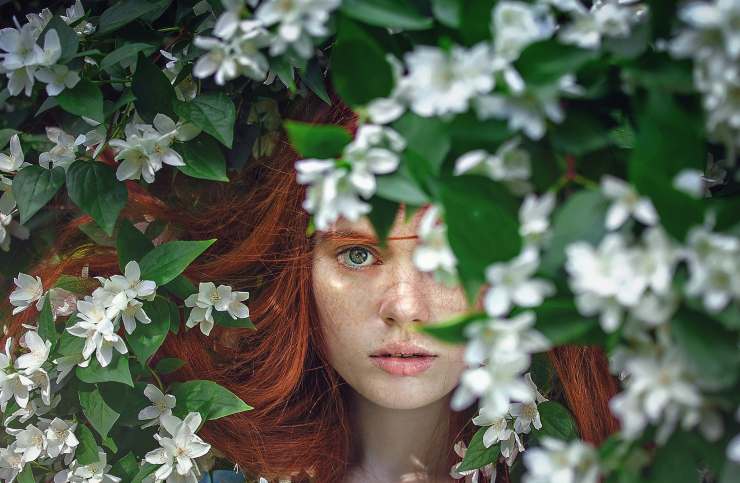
x: 406, y: 348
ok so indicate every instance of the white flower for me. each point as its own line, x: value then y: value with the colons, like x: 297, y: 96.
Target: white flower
x: 528, y: 110
x: 626, y: 202
x: 13, y: 162
x: 559, y: 461
x: 733, y: 448
x: 39, y: 352
x: 60, y: 438
x: 508, y: 164
x: 234, y: 51
x: 20, y: 47
x: 526, y: 413
x: 65, y: 364
x: 471, y: 476
x: 30, y: 442
x: 433, y: 253
x: 73, y: 14
x: 534, y: 222
x: 441, y: 83
x: 96, y: 327
x: 691, y: 182
x: 57, y: 78
x: 162, y: 404
x: 714, y: 267
x: 96, y: 472
x: 383, y: 110
x: 659, y: 389
x: 375, y: 150
x: 210, y: 297
x: 515, y: 25
x: 511, y: 283
x: 8, y: 227
x: 605, y: 19
x: 28, y: 290
x: 121, y: 290
x: 11, y: 463
x: 179, y: 448
x: 605, y: 280
x: 64, y: 151
x: 298, y: 21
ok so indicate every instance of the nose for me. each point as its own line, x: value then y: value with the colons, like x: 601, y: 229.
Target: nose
x: 405, y: 300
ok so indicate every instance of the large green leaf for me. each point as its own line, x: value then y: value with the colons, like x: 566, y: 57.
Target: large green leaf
x: 358, y: 79
x: 452, y: 330
x: 213, y: 112
x: 557, y: 422
x: 96, y: 410
x: 428, y: 137
x: 167, y: 261
x: 87, y: 451
x: 34, y: 186
x: 398, y: 14
x: 84, y: 99
x: 203, y: 159
x: 559, y: 321
x: 93, y: 187
x: 127, y: 51
x: 477, y: 455
x: 117, y: 371
x: 147, y: 338
x: 153, y: 91
x: 131, y: 244
x: 127, y: 11
x: 482, y: 226
x: 212, y: 400
x: 547, y: 61
x: 316, y: 140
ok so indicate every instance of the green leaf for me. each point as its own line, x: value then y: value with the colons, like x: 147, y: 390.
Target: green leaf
x: 93, y: 187
x: 68, y: 39
x: 212, y: 400
x: 358, y: 79
x: 561, y: 323
x: 730, y: 472
x: 145, y: 470
x: 680, y: 459
x: 557, y: 422
x: 153, y: 91
x: 477, y: 455
x: 452, y: 330
x: 316, y: 140
x: 180, y: 287
x: 224, y: 319
x: 213, y: 112
x: 447, y: 12
x: 312, y: 77
x: 657, y: 159
x: 96, y: 234
x: 131, y: 244
x: 397, y: 14
x: 480, y: 214
x: 475, y: 21
x: 127, y: 51
x: 147, y: 338
x: 580, y: 218
x: 96, y: 410
x: 581, y: 132
x: 168, y: 260
x: 87, y: 451
x: 126, y: 468
x: 47, y: 329
x: 26, y: 476
x: 382, y: 216
x: 5, y: 135
x: 426, y: 136
x: 203, y: 159
x: 400, y: 186
x: 545, y: 62
x: 127, y: 11
x: 168, y: 365
x: 285, y: 71
x: 34, y: 186
x: 709, y: 348
x: 116, y: 371
x: 84, y: 99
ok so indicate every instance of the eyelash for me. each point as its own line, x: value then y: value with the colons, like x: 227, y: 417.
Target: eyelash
x: 341, y: 253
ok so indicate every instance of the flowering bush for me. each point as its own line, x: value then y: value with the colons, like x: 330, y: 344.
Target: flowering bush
x: 580, y: 160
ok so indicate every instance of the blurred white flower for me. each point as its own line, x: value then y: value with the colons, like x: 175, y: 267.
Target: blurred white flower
x: 559, y: 461
x: 733, y: 447
x: 57, y: 78
x: 298, y: 21
x: 516, y: 24
x: 605, y: 18
x: 8, y: 227
x: 433, y: 252
x: 162, y: 404
x: 626, y: 202
x: 511, y: 284
x: 510, y: 164
x: 534, y: 218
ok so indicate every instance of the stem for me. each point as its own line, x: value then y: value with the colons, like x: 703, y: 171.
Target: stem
x: 169, y: 29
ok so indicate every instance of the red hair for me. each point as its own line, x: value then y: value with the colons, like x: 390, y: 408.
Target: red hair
x: 300, y: 419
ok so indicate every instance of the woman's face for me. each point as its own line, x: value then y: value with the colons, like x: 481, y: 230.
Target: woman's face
x: 368, y: 297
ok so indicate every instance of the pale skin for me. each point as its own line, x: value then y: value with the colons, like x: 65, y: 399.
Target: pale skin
x: 368, y: 296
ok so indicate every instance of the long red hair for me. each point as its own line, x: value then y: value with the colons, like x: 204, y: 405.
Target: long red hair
x: 300, y: 420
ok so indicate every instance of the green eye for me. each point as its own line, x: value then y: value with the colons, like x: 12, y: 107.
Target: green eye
x: 357, y: 256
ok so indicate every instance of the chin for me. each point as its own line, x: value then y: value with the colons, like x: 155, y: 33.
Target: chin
x: 403, y: 392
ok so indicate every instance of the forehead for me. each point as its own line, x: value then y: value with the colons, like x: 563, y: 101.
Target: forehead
x: 363, y: 226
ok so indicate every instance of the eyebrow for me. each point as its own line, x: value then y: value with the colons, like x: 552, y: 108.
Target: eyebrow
x: 356, y: 236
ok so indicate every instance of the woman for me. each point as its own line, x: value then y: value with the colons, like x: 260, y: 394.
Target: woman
x: 327, y: 307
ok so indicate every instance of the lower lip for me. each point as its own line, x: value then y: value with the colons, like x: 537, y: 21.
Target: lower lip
x: 403, y: 366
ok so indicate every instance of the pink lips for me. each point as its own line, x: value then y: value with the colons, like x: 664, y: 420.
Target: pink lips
x: 403, y: 366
